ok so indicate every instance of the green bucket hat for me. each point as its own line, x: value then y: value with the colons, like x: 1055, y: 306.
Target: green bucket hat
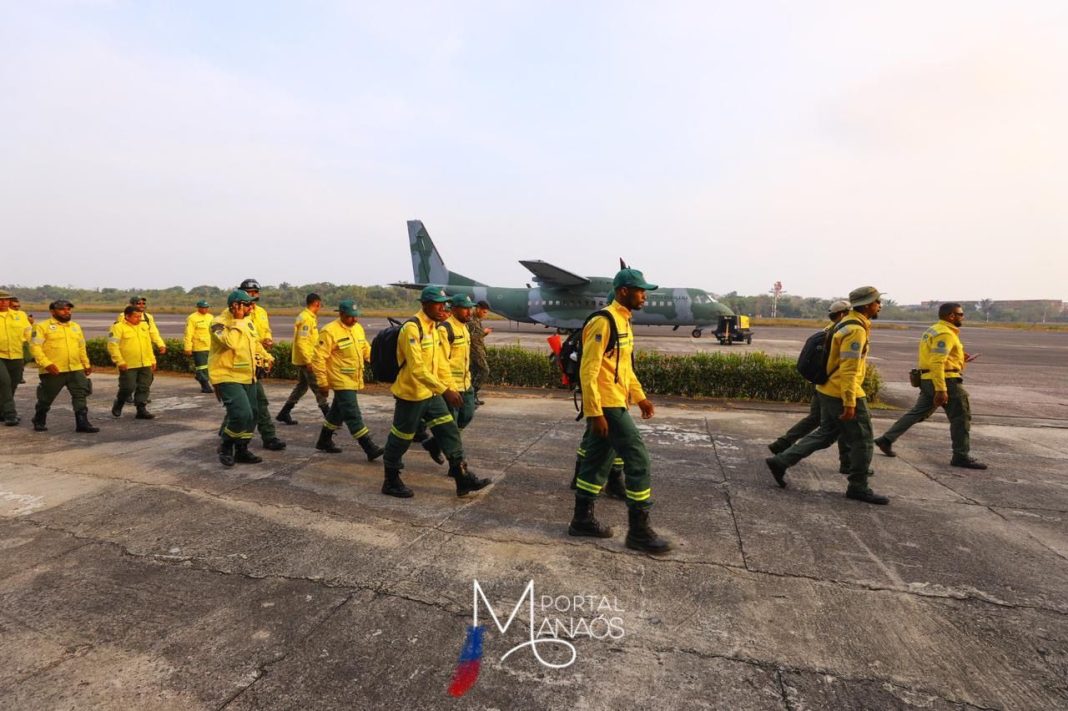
x: 864, y: 295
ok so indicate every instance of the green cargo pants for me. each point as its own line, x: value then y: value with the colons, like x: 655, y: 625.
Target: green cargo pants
x: 305, y: 382
x: 136, y: 382
x: 625, y: 440
x: 346, y: 410
x: 958, y: 410
x: 11, y: 370
x: 241, y: 410
x: 200, y: 370
x: 76, y: 382
x: 261, y: 414
x: 466, y: 412
x: 856, y: 433
x: 807, y: 424
x: 406, y: 417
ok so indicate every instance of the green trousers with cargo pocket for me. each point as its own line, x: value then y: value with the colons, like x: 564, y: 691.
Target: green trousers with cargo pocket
x: 76, y: 382
x: 958, y: 410
x: 625, y: 441
x: 406, y: 417
x: 239, y: 399
x: 856, y: 433
x: 345, y: 410
x: 11, y: 370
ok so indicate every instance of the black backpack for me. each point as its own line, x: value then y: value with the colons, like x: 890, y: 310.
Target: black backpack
x: 570, y: 357
x: 812, y: 361
x: 384, y: 350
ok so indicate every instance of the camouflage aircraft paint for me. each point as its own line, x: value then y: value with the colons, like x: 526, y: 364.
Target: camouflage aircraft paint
x: 560, y: 299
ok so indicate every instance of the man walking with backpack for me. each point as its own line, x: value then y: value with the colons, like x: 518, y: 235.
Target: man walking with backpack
x: 843, y: 404
x: 609, y: 386
x: 424, y: 390
x: 835, y: 312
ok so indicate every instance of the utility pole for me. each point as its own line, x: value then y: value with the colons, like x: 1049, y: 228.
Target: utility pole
x: 776, y: 292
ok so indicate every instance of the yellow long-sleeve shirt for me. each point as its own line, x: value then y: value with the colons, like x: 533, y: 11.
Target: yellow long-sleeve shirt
x: 941, y: 354
x: 197, y: 332
x: 425, y: 369
x: 847, y: 362
x: 259, y: 317
x: 601, y: 387
x: 234, y: 345
x: 15, y: 330
x: 305, y: 337
x: 130, y: 345
x: 148, y: 322
x: 340, y: 356
x: 59, y: 344
x: 458, y: 351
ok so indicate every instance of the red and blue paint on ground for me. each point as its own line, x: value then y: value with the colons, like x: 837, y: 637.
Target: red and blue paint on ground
x: 470, y: 662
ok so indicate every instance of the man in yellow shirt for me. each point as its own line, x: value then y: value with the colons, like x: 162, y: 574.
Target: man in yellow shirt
x: 942, y: 360
x: 14, y: 335
x: 232, y: 370
x: 305, y: 339
x: 338, y: 365
x: 843, y: 402
x: 130, y: 348
x: 264, y: 363
x: 609, y: 387
x: 424, y: 390
x: 196, y: 342
x: 58, y: 346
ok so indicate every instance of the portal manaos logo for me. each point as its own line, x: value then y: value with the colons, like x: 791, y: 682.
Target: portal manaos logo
x: 555, y: 621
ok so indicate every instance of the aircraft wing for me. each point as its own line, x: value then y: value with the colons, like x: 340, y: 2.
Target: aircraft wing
x: 551, y: 275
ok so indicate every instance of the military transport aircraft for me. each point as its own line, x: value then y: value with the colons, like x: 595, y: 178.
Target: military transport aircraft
x: 560, y: 299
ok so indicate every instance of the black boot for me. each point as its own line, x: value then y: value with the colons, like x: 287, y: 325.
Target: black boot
x: 431, y: 445
x: 372, y: 450
x: 584, y: 524
x: 640, y: 536
x: 226, y: 453
x: 326, y: 441
x: 614, y: 488
x: 39, y: 420
x: 242, y: 455
x: 393, y: 486
x: 81, y: 420
x: 143, y: 413
x: 466, y: 481
x: 284, y: 416
x: 116, y: 407
x: 274, y: 444
x: 205, y: 384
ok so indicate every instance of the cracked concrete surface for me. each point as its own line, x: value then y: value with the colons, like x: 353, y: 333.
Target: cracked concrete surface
x: 138, y: 573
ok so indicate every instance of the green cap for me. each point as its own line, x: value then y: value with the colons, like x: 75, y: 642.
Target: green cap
x: 864, y: 295
x: 462, y: 300
x: 238, y: 295
x: 202, y: 304
x: 135, y: 299
x: 433, y: 293
x: 632, y: 278
x: 347, y: 307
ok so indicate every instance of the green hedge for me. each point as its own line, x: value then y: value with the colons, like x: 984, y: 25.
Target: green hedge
x: 740, y: 376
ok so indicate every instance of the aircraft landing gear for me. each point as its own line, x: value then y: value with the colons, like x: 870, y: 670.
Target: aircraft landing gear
x: 696, y: 333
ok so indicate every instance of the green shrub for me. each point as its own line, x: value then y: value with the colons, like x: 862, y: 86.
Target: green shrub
x: 738, y: 376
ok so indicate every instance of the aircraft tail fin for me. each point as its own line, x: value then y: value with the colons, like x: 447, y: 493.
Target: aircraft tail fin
x: 427, y: 265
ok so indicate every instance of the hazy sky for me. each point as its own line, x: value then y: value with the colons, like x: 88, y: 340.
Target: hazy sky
x: 918, y: 146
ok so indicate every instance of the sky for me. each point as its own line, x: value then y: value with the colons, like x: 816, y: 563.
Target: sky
x: 919, y: 146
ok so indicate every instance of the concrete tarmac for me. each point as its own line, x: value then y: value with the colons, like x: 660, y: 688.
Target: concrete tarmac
x: 138, y: 573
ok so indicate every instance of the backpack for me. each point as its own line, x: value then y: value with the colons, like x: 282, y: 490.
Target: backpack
x: 570, y: 357
x: 384, y: 363
x: 448, y: 330
x: 812, y: 361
